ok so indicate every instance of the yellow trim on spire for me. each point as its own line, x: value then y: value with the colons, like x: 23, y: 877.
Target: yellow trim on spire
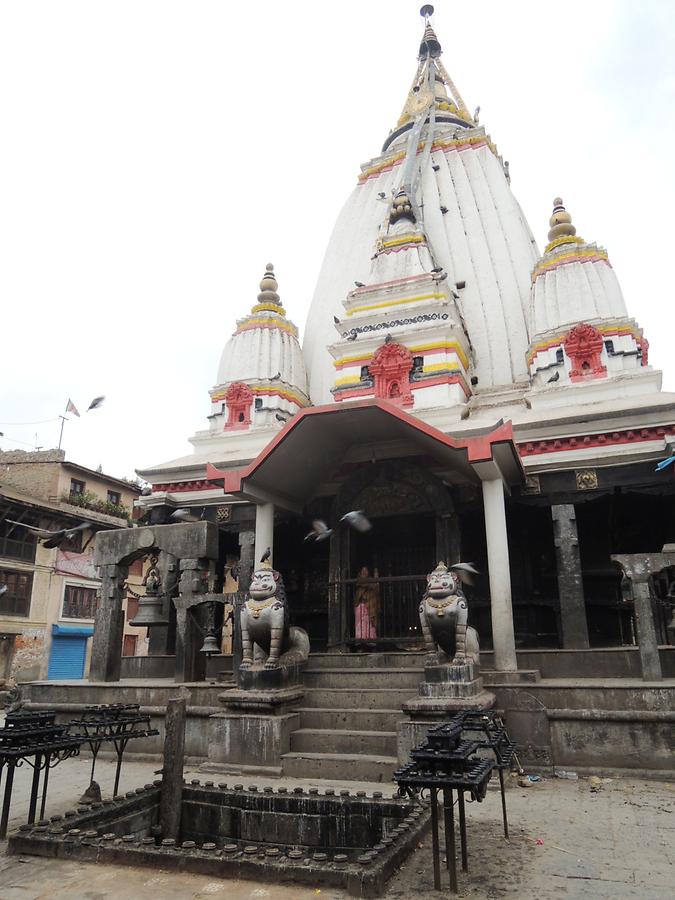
x: 403, y: 239
x: 386, y: 303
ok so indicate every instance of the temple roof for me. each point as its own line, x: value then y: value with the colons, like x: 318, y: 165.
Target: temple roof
x: 460, y: 196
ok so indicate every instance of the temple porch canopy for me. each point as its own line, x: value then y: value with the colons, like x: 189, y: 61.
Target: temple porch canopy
x: 290, y: 469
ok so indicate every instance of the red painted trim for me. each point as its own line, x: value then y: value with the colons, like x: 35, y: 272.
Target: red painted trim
x: 363, y: 360
x: 350, y: 393
x: 176, y: 487
x: 601, y: 439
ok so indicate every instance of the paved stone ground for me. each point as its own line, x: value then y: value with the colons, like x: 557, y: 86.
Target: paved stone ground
x: 567, y: 843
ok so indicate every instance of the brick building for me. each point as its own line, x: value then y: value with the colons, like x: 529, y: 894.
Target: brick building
x: 47, y: 609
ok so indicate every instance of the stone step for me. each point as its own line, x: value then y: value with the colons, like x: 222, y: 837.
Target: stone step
x: 521, y: 676
x: 405, y: 678
x: 384, y: 660
x: 342, y: 766
x: 357, y: 698
x: 346, y: 719
x: 341, y: 740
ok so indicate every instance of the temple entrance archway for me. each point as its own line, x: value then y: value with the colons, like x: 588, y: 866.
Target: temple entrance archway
x: 414, y: 525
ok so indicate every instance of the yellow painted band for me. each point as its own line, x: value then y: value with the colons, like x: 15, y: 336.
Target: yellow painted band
x: 269, y: 307
x: 247, y: 324
x: 403, y: 239
x: 350, y: 312
x: 611, y: 330
x: 451, y: 346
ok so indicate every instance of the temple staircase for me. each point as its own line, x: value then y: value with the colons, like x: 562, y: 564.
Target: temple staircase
x: 349, y: 714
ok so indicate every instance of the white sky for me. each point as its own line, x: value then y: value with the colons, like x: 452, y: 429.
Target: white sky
x: 155, y: 155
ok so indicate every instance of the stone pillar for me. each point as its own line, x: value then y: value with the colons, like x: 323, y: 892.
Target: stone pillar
x: 503, y: 637
x: 644, y: 620
x: 171, y: 794
x: 190, y: 663
x: 106, y: 652
x: 570, y: 583
x: 246, y: 545
x: 264, y: 531
x: 158, y: 635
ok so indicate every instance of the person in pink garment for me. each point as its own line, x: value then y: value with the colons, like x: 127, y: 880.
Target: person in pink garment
x: 366, y: 606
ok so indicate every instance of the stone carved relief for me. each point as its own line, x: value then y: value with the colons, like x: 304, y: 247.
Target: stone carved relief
x: 390, y: 367
x: 587, y: 480
x: 238, y: 399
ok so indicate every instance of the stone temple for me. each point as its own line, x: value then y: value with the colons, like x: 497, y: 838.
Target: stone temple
x: 481, y: 400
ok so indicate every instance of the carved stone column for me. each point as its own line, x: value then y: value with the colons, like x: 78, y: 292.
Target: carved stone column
x: 246, y: 547
x: 158, y: 635
x: 190, y: 663
x: 106, y: 651
x: 570, y: 582
x: 639, y: 567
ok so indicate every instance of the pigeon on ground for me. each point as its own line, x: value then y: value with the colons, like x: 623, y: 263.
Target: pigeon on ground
x: 553, y: 378
x: 357, y: 519
x: 51, y: 539
x: 95, y: 403
x: 320, y: 531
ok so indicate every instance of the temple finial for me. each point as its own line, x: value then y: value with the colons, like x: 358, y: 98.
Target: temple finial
x: 268, y: 287
x: 560, y: 222
x: 430, y: 45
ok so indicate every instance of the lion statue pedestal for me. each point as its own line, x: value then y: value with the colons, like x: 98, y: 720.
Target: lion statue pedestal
x: 451, y: 670
x: 260, y: 714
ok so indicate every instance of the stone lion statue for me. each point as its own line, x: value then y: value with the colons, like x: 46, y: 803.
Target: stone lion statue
x: 444, y: 614
x: 266, y: 634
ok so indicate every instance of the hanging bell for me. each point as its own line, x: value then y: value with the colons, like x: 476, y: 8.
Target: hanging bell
x: 150, y: 612
x: 210, y: 644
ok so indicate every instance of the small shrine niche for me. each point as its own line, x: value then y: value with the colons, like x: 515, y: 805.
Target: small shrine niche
x: 583, y: 345
x: 238, y: 400
x: 390, y: 368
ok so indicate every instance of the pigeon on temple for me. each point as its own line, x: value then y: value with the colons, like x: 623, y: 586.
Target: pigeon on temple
x: 465, y: 571
x: 665, y: 463
x: 359, y: 284
x: 51, y: 539
x: 266, y: 555
x: 553, y: 378
x: 276, y: 377
x: 336, y: 320
x: 280, y: 418
x: 320, y: 531
x: 357, y: 519
x: 95, y: 403
x: 352, y: 336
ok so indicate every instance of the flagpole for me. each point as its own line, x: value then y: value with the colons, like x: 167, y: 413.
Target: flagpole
x: 63, y: 422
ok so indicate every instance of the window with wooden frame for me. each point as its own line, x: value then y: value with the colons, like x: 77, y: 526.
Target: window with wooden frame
x: 79, y: 602
x: 77, y: 487
x: 17, y: 542
x: 114, y: 497
x: 15, y: 601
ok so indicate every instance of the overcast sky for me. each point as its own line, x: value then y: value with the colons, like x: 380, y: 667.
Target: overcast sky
x: 155, y: 155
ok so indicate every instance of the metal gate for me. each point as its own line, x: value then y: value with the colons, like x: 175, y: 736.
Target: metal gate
x: 68, y: 652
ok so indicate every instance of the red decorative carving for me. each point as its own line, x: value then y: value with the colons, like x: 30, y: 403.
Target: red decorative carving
x: 390, y: 368
x: 584, y: 345
x: 585, y: 441
x: 643, y: 344
x: 238, y: 399
x: 177, y: 486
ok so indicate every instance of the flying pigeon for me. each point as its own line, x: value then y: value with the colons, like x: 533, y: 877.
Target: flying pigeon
x: 51, y: 539
x: 320, y: 531
x: 185, y: 515
x: 266, y: 555
x: 465, y: 571
x: 553, y: 378
x: 357, y: 519
x: 95, y: 403
x: 3, y: 589
x: 665, y: 463
x: 359, y: 284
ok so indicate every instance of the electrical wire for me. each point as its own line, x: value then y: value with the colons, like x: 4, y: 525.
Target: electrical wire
x: 41, y: 422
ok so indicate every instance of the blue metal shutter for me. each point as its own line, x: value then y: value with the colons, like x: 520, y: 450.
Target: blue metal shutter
x: 67, y: 657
